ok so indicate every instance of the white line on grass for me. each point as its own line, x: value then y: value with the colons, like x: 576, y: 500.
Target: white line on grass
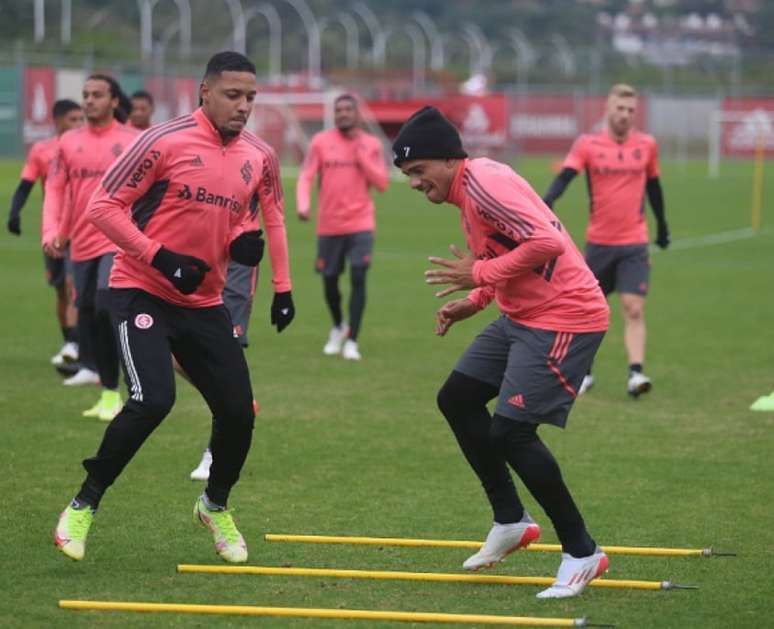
x: 712, y: 239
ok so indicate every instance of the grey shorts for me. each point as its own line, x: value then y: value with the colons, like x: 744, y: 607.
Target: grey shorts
x: 332, y: 252
x: 238, y: 297
x: 56, y: 270
x: 537, y: 372
x: 89, y: 276
x: 620, y: 268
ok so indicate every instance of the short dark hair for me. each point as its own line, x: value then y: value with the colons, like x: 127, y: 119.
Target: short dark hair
x: 228, y: 61
x: 121, y: 113
x: 346, y: 96
x: 143, y: 95
x: 63, y: 107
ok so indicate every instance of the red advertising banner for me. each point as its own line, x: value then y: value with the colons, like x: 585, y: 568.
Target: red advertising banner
x: 480, y: 119
x: 746, y: 124
x: 39, y: 95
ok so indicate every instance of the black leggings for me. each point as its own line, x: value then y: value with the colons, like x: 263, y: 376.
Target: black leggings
x: 488, y: 443
x: 357, y: 299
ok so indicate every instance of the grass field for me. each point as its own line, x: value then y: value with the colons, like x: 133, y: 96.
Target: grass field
x: 360, y: 449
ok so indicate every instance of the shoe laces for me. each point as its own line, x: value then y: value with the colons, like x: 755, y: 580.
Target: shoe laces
x: 226, y: 526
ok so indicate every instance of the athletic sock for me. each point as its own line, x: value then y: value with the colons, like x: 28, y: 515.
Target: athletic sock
x: 635, y: 368
x: 70, y: 335
x: 211, y: 506
x: 78, y: 505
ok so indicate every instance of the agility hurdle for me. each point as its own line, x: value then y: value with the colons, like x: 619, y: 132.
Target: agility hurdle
x: 341, y: 614
x: 448, y: 543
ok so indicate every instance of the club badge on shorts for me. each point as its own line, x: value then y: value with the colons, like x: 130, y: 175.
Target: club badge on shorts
x: 143, y: 321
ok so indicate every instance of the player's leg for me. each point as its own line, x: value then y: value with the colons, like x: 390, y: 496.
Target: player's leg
x: 238, y: 295
x: 462, y: 400
x: 85, y: 285
x: 142, y: 325
x: 56, y: 276
x: 360, y: 248
x: 106, y: 349
x: 601, y: 260
x: 330, y: 265
x: 540, y: 385
x: 632, y: 281
x: 215, y: 362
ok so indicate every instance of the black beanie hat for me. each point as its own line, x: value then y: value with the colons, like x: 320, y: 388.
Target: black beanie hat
x: 427, y: 135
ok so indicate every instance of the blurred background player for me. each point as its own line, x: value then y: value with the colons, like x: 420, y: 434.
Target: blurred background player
x: 621, y: 165
x: 531, y: 359
x: 83, y: 157
x: 349, y: 161
x: 67, y: 115
x: 142, y: 110
x: 179, y: 204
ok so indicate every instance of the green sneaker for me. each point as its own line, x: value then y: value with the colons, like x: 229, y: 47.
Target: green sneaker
x: 229, y: 543
x: 71, y: 531
x: 110, y: 405
x: 94, y: 411
x: 763, y: 403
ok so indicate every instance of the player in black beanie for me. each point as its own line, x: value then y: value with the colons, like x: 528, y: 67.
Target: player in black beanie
x: 427, y: 135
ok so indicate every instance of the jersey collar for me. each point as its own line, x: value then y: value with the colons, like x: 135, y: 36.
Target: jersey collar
x: 206, y: 124
x: 103, y: 130
x: 456, y: 194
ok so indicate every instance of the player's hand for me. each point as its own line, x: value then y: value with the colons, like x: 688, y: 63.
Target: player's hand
x: 457, y: 273
x: 14, y: 223
x: 451, y: 312
x: 54, y: 248
x: 282, y: 310
x: 247, y: 248
x: 303, y: 216
x: 185, y: 272
x: 662, y: 237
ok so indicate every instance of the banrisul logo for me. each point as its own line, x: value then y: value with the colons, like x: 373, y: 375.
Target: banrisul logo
x: 145, y: 165
x: 202, y: 195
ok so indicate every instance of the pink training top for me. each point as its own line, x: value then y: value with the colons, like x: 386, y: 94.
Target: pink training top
x: 527, y: 261
x: 180, y: 187
x: 83, y: 157
x: 348, y: 167
x: 617, y: 174
x: 39, y: 159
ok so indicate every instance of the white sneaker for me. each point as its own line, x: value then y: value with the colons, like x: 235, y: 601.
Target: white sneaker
x: 68, y: 354
x: 202, y: 472
x: 502, y: 540
x: 82, y: 377
x: 336, y: 339
x: 574, y: 575
x: 638, y: 384
x: 350, y: 351
x: 588, y: 382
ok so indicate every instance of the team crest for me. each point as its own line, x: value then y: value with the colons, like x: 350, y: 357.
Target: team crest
x: 117, y: 148
x: 143, y: 321
x: 637, y: 154
x: 247, y: 172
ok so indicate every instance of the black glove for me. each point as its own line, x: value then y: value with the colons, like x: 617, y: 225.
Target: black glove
x: 247, y: 249
x: 282, y: 310
x: 662, y: 237
x: 14, y: 223
x: 548, y: 202
x: 185, y: 272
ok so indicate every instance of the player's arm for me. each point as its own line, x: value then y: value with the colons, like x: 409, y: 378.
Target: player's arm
x: 127, y: 181
x: 55, y: 202
x: 656, y: 198
x: 309, y: 170
x: 571, y: 166
x: 370, y: 159
x: 272, y: 204
x: 17, y: 203
x: 558, y: 185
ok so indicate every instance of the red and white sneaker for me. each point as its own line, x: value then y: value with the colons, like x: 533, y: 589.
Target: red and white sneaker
x: 574, y: 574
x: 503, y: 539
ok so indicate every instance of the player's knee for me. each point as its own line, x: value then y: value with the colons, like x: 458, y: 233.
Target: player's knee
x: 634, y: 311
x: 513, y: 432
x: 157, y: 405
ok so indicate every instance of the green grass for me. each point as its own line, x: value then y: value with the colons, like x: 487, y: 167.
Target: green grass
x: 361, y: 449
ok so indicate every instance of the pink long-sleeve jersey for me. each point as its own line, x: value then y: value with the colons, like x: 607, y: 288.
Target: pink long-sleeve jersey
x: 39, y: 159
x: 348, y: 167
x: 83, y: 157
x: 180, y: 187
x: 527, y: 261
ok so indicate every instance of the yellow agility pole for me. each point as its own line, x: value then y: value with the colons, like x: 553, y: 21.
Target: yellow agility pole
x: 450, y: 543
x: 346, y: 614
x: 422, y: 576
